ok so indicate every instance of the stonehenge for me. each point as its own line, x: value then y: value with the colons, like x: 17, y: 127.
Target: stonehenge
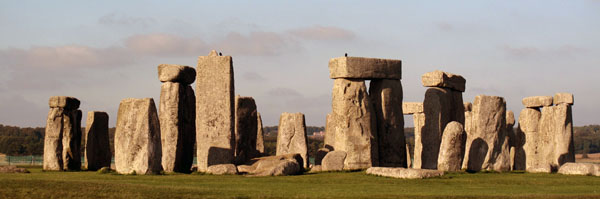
x: 291, y: 136
x: 177, y: 115
x: 97, y: 146
x: 62, y: 141
x: 137, y: 137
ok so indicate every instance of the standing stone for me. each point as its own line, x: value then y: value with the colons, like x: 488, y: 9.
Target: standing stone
x: 329, y: 139
x: 408, y: 159
x: 246, y: 128
x: 452, y: 147
x: 528, y: 125
x: 353, y: 124
x: 419, y: 122
x: 97, y: 145
x: 386, y: 94
x: 441, y: 106
x: 215, y: 133
x: 488, y: 124
x: 62, y: 142
x: 137, y: 138
x: 291, y: 136
x: 177, y: 114
x: 564, y: 147
x: 260, y: 143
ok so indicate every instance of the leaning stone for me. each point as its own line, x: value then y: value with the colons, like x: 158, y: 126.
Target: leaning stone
x: 404, y: 173
x: 71, y: 140
x: 176, y: 73
x: 588, y: 169
x: 137, y: 138
x: 69, y: 103
x: 409, y: 108
x: 260, y: 143
x: 386, y: 94
x: 353, y: 124
x: 177, y: 126
x: 452, y: 147
x: 364, y: 68
x: 443, y: 79
x: 215, y: 135
x: 222, y: 169
x: 97, y: 145
x: 291, y: 136
x: 333, y: 161
x: 537, y: 101
x: 566, y: 98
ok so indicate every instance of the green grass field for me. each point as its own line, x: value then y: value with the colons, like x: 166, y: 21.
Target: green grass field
x: 38, y: 184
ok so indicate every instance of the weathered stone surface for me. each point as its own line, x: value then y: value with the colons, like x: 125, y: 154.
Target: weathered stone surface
x: 71, y: 140
x: 409, y: 108
x: 404, y: 173
x: 516, y: 140
x: 531, y: 148
x: 329, y: 139
x: 386, y: 94
x: 214, y: 111
x: 320, y: 155
x: 468, y: 106
x: 419, y: 122
x: 53, y: 140
x: 452, y: 147
x: 333, y: 161
x: 246, y: 128
x: 443, y: 79
x: 177, y: 126
x: 353, y: 124
x: 487, y: 143
x: 288, y: 164
x: 260, y: 143
x: 176, y: 73
x: 564, y: 149
x: 566, y: 98
x: 537, y: 101
x: 588, y: 169
x: 66, y: 102
x: 137, y: 137
x: 97, y: 145
x: 441, y: 106
x: 222, y: 169
x: 510, y: 118
x: 291, y: 136
x: 364, y: 68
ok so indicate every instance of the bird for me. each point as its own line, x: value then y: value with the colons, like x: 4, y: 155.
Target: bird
x: 220, y: 54
x: 346, y: 55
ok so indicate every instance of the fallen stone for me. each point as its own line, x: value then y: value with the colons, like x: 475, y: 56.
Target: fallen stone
x: 215, y: 134
x: 588, y: 169
x: 333, y: 161
x: 177, y: 126
x: 176, y: 73
x: 222, y: 169
x: 537, y: 101
x: 97, y: 145
x: 289, y: 164
x: 353, y: 124
x: 12, y: 169
x: 452, y: 147
x: 364, y: 68
x: 404, y: 173
x: 566, y: 98
x: 386, y: 94
x: 66, y: 102
x: 409, y: 108
x: 260, y: 143
x: 291, y: 136
x: 315, y: 169
x: 443, y: 79
x: 137, y: 137
x: 540, y: 169
x: 246, y: 128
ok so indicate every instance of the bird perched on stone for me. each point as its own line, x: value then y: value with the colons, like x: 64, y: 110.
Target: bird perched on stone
x: 346, y: 55
x: 220, y: 54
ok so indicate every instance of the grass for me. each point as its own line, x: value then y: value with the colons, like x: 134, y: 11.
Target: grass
x: 38, y: 184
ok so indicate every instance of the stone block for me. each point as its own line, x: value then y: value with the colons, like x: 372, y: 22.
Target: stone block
x: 452, y: 147
x: 566, y: 98
x: 97, y: 145
x: 222, y: 169
x: 66, y: 102
x: 333, y: 161
x: 537, y: 101
x: 177, y: 126
x: 291, y: 136
x: 404, y: 173
x: 364, y: 68
x: 409, y: 108
x: 443, y: 79
x: 176, y: 73
x: 246, y: 128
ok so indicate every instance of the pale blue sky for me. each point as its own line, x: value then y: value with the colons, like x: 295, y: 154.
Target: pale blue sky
x: 104, y: 51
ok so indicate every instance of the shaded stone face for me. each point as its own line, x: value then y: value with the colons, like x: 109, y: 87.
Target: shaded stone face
x: 441, y: 106
x: 442, y: 79
x: 177, y: 126
x: 97, y: 145
x: 215, y: 134
x: 62, y: 143
x: 488, y: 131
x: 537, y: 101
x: 137, y: 137
x: 260, y: 143
x: 352, y: 124
x: 66, y: 102
x: 364, y: 68
x: 291, y: 136
x: 452, y: 147
x: 176, y: 73
x: 386, y: 95
x: 246, y: 128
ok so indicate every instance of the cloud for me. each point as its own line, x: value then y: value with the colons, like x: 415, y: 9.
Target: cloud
x: 526, y: 52
x: 323, y: 33
x: 256, y: 44
x: 122, y: 20
x: 69, y: 56
x: 252, y: 76
x: 444, y: 26
x: 283, y: 92
x: 160, y: 44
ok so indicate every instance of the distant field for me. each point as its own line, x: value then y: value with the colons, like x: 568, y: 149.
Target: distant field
x: 40, y: 184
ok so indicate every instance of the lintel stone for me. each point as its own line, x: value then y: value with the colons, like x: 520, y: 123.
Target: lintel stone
x: 443, y: 79
x: 364, y: 68
x: 537, y: 101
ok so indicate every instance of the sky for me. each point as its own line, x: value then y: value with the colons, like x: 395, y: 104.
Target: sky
x: 104, y: 51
